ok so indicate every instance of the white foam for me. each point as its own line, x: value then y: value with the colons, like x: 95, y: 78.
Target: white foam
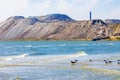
x: 110, y: 44
x: 22, y: 56
x: 84, y: 44
x: 77, y: 54
x: 9, y: 58
x: 28, y: 46
x: 62, y: 45
x: 65, y: 57
x: 44, y: 46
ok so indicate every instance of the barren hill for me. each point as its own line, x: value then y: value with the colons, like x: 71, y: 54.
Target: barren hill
x: 55, y: 27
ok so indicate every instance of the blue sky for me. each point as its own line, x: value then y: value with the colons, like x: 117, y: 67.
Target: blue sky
x: 77, y: 9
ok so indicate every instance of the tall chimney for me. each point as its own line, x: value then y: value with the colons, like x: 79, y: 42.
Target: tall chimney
x: 90, y: 15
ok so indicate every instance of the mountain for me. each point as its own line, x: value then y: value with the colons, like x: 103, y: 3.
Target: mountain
x: 112, y: 21
x: 53, y: 18
x: 55, y: 27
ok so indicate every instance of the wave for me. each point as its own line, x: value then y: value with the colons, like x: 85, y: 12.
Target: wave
x: 28, y: 46
x: 42, y: 46
x: 51, y: 57
x: 77, y: 54
x: 65, y: 57
x: 82, y: 53
x: 62, y: 45
x: 84, y: 44
x: 110, y: 44
x: 14, y: 57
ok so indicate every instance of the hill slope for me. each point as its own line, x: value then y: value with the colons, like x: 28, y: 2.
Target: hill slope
x: 54, y: 27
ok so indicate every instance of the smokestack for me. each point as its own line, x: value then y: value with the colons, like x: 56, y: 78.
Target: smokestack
x: 90, y: 15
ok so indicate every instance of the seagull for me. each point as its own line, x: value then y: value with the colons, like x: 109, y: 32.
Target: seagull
x: 75, y: 61
x: 104, y: 60
x: 118, y: 62
x: 90, y: 60
x: 110, y: 61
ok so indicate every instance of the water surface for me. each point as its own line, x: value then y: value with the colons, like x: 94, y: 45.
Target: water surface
x: 50, y: 60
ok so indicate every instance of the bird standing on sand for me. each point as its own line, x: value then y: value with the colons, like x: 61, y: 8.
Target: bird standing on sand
x: 73, y: 62
x: 108, y: 61
x: 76, y: 60
x: 90, y: 60
x: 118, y: 61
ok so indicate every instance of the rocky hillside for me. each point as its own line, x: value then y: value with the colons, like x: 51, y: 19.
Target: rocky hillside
x: 55, y: 27
x: 112, y: 21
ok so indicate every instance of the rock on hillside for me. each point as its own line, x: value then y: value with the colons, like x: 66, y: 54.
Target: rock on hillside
x: 30, y: 21
x: 16, y: 17
x: 83, y: 30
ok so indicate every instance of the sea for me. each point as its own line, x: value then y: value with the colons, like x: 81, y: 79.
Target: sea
x: 51, y: 60
x: 38, y: 48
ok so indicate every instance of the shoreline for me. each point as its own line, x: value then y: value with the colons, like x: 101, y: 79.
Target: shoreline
x: 61, y: 40
x: 62, y: 63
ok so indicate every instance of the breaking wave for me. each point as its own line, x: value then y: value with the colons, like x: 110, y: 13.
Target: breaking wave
x: 82, y: 53
x: 51, y: 57
x: 9, y: 58
x: 64, y: 57
x: 28, y: 46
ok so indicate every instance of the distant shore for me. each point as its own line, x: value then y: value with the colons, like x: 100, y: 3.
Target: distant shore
x: 112, y: 38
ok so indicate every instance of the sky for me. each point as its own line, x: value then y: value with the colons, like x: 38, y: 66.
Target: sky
x: 76, y: 9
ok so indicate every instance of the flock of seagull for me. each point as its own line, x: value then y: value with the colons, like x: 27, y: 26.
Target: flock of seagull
x: 109, y: 61
x: 90, y: 60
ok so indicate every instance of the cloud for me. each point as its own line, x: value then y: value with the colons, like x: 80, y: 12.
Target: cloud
x: 10, y: 8
x: 77, y: 9
x: 37, y: 9
x: 22, y: 7
x: 116, y: 12
x: 107, y: 2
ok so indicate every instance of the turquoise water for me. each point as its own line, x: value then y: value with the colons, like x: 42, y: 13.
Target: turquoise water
x: 35, y: 48
x: 50, y: 60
